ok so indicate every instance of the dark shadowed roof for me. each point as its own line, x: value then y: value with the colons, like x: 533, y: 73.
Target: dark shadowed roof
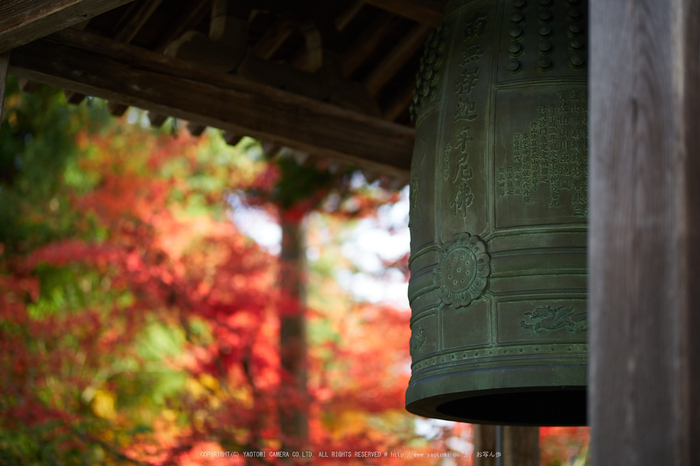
x: 331, y: 78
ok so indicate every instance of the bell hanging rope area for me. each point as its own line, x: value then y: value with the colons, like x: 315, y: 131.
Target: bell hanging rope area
x: 498, y: 215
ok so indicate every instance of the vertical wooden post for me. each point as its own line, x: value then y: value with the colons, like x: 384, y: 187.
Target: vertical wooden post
x: 4, y: 64
x: 644, y: 233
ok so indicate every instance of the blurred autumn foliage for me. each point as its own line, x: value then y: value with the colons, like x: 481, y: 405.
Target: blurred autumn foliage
x: 138, y: 325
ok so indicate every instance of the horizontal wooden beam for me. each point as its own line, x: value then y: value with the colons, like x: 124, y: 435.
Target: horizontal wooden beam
x: 396, y: 58
x: 428, y: 12
x: 22, y: 21
x: 134, y: 76
x: 368, y: 41
x: 143, y: 11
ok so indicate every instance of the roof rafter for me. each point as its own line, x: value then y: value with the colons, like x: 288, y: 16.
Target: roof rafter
x: 428, y: 12
x: 22, y: 21
x: 130, y: 75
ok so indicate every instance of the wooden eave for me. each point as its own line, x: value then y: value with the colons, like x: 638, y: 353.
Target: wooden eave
x: 331, y: 79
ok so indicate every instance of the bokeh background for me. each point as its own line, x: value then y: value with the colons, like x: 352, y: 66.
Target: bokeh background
x: 163, y: 296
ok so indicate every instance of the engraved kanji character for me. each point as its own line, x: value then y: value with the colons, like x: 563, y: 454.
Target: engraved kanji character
x: 471, y: 53
x: 463, y: 169
x: 446, y: 164
x: 463, y: 138
x: 463, y: 199
x: 468, y: 79
x: 466, y: 109
x: 474, y: 28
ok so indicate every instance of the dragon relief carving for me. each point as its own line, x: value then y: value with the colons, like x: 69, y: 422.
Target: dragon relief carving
x: 550, y: 319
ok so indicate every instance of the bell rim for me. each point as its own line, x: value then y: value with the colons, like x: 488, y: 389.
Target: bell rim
x: 542, y: 395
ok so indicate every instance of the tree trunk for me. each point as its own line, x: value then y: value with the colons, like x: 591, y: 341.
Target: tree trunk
x: 520, y: 446
x: 484, y: 442
x: 294, y: 400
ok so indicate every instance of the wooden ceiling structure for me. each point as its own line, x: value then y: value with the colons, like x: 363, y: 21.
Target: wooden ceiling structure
x: 331, y: 79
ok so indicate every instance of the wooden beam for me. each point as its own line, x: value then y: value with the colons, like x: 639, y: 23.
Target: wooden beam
x: 141, y: 13
x: 270, y: 148
x: 396, y: 58
x: 325, y: 85
x: 74, y: 98
x: 27, y: 85
x: 104, y: 68
x: 365, y: 44
x: 401, y: 100
x: 231, y: 138
x: 117, y: 109
x: 428, y: 12
x: 222, y: 50
x: 22, y: 21
x: 156, y: 119
x: 196, y: 129
x: 4, y: 63
x: 347, y: 15
x: 193, y: 14
x: 274, y: 38
x: 644, y: 232
x: 313, y: 50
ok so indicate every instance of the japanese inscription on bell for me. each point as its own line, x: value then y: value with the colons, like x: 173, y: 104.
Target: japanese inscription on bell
x: 542, y: 171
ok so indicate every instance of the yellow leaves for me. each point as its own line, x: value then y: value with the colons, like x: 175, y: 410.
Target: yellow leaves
x: 196, y: 389
x: 206, y: 386
x: 244, y: 396
x: 210, y: 382
x: 169, y: 415
x: 345, y: 423
x: 12, y: 119
x: 102, y: 404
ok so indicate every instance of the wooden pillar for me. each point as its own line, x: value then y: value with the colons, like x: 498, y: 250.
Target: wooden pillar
x: 644, y: 233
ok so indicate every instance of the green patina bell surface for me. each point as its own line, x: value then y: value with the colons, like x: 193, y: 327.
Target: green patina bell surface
x: 498, y: 215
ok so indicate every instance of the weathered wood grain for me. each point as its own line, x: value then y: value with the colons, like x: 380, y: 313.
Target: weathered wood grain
x: 134, y: 76
x: 22, y: 21
x: 644, y: 233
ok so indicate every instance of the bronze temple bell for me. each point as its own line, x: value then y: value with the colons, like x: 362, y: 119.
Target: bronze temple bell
x: 498, y: 215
